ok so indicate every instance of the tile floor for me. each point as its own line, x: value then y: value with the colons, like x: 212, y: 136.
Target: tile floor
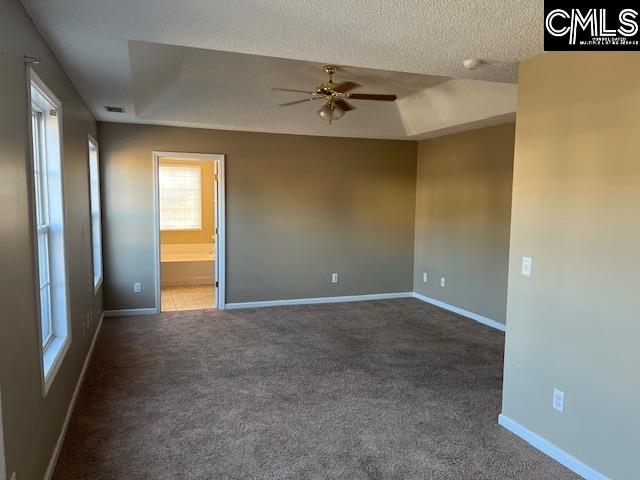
x: 192, y: 297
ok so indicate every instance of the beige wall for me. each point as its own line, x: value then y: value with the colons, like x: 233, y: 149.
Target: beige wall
x: 205, y: 235
x: 32, y: 423
x: 574, y: 324
x: 463, y: 208
x: 298, y: 209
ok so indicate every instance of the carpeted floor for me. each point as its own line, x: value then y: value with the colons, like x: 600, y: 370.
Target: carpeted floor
x: 393, y: 389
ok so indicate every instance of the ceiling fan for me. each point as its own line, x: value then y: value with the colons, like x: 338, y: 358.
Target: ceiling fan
x: 335, y: 96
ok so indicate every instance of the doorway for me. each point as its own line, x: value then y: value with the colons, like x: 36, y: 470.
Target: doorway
x: 189, y: 225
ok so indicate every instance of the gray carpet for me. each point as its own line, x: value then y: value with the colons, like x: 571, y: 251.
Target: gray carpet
x: 392, y: 389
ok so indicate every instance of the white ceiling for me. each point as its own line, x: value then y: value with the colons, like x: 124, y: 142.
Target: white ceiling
x: 123, y: 52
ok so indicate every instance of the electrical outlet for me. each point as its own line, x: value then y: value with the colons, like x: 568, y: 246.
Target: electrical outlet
x: 558, y: 400
x: 443, y: 282
x: 425, y: 277
x: 137, y: 287
x: 334, y: 278
x: 527, y: 264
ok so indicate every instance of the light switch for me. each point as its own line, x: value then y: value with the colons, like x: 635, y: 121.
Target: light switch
x: 558, y: 400
x: 527, y: 264
x: 425, y: 277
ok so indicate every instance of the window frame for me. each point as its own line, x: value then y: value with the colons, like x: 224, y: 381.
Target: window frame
x: 52, y: 352
x: 41, y: 203
x: 97, y: 280
x: 187, y: 166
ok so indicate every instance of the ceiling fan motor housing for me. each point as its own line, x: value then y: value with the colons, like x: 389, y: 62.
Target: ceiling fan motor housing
x: 326, y: 88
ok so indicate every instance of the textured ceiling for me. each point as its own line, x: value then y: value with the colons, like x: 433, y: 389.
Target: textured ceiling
x: 94, y: 38
x: 197, y: 87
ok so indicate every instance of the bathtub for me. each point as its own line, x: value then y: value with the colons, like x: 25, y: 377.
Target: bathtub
x: 187, y: 264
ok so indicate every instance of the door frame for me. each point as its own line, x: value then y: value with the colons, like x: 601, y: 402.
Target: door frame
x: 219, y: 222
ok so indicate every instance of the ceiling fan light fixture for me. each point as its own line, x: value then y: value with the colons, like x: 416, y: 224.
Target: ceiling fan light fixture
x: 330, y: 112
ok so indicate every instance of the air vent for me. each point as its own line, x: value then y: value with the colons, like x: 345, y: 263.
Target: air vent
x: 114, y: 109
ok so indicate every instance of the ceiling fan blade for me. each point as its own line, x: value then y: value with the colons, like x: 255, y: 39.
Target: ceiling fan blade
x: 346, y: 106
x: 294, y: 102
x: 290, y: 90
x: 345, y: 87
x: 372, y: 96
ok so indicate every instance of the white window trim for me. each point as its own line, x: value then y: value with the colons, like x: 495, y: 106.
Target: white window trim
x: 96, y: 285
x: 189, y: 228
x: 52, y: 356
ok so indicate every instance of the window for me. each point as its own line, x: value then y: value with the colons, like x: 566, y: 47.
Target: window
x: 96, y: 228
x: 46, y: 121
x: 42, y: 222
x: 180, y: 204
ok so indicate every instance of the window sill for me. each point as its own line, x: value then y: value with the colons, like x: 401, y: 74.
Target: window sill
x: 52, y: 359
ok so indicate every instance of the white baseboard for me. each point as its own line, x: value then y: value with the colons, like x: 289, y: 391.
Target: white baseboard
x: 130, y: 312
x: 56, y: 451
x: 315, y: 300
x: 548, y: 448
x: 465, y: 313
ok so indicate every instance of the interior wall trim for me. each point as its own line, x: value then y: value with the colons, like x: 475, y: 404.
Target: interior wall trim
x: 460, y: 311
x: 548, y: 448
x: 130, y: 312
x: 316, y: 300
x: 56, y: 451
x: 3, y: 467
x: 218, y: 160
